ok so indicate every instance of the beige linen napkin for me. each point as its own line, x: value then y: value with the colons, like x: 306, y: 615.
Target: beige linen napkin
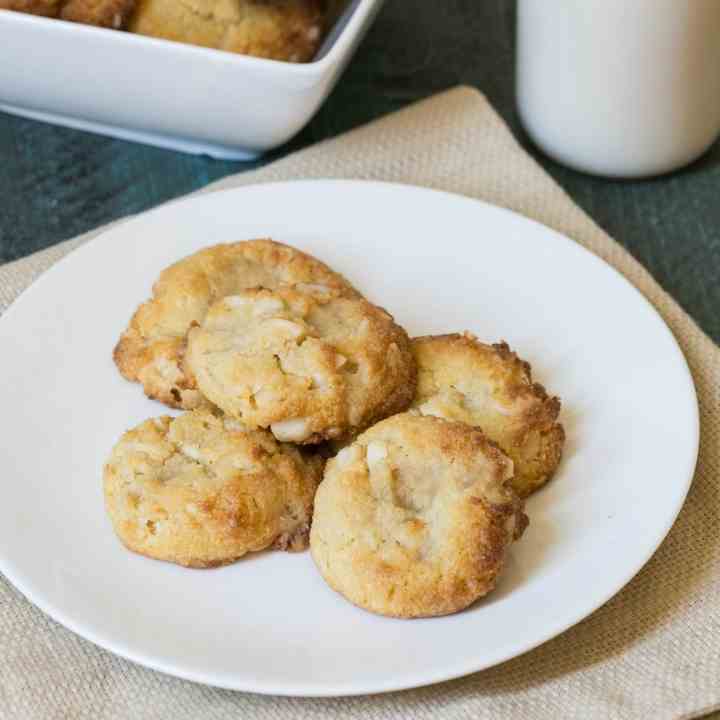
x: 652, y: 651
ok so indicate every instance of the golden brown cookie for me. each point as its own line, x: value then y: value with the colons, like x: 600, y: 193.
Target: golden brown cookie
x: 103, y: 13
x: 112, y: 14
x: 488, y: 386
x: 152, y: 349
x: 415, y: 517
x: 279, y: 29
x: 200, y: 490
x: 308, y: 365
x: 46, y: 8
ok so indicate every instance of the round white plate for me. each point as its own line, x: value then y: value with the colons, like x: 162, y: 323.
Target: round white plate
x: 269, y: 624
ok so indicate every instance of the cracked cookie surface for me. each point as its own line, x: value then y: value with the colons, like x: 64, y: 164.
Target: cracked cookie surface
x: 414, y: 518
x: 201, y: 491
x: 288, y: 30
x: 308, y: 365
x: 489, y: 387
x: 151, y: 351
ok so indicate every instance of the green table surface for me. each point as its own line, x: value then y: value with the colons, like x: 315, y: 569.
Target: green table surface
x: 56, y: 183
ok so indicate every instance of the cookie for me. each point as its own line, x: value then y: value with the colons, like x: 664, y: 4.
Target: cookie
x: 103, y: 13
x: 112, y: 14
x: 278, y: 29
x: 414, y: 519
x: 488, y: 386
x: 152, y: 349
x: 45, y: 8
x: 201, y: 491
x: 307, y: 365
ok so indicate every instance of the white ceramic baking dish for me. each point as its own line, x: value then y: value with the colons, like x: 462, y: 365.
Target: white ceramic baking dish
x: 164, y: 93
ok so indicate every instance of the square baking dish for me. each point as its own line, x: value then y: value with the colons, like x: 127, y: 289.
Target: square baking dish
x: 168, y: 94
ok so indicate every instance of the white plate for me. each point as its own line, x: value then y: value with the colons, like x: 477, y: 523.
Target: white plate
x: 269, y: 624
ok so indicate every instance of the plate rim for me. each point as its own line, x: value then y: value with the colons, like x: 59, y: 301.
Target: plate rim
x: 427, y: 678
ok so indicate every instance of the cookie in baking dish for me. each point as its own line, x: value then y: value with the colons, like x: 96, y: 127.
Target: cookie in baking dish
x: 151, y: 351
x: 307, y: 365
x: 45, y: 8
x: 415, y: 517
x: 200, y: 490
x: 103, y: 13
x: 288, y: 30
x: 488, y: 386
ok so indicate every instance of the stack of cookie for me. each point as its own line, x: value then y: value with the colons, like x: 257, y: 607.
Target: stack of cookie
x: 280, y: 363
x: 289, y: 30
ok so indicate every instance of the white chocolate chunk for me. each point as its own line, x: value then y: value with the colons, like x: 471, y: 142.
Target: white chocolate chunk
x: 376, y: 452
x: 314, y: 289
x: 295, y: 430
x: 236, y: 301
x: 191, y: 451
x: 267, y: 307
x: 287, y: 327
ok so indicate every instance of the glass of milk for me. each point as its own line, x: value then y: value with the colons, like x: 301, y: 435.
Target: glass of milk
x: 621, y: 88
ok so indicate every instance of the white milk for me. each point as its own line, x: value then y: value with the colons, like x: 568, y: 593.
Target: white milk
x: 622, y: 88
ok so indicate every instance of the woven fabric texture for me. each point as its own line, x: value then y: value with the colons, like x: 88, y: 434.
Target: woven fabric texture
x: 652, y: 651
